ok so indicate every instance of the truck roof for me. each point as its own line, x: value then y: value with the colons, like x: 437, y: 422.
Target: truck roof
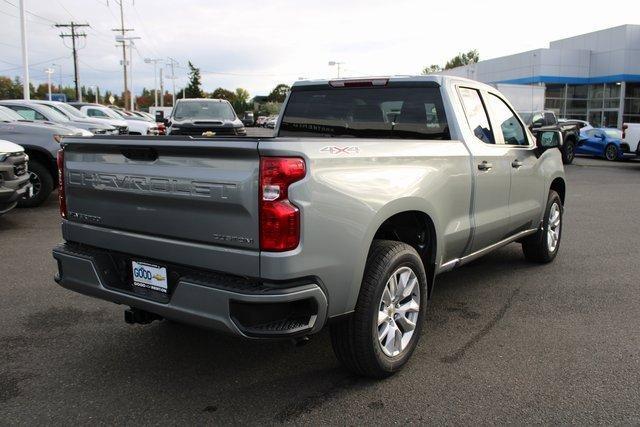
x: 436, y: 78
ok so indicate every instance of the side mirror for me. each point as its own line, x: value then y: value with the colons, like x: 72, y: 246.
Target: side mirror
x: 548, y: 139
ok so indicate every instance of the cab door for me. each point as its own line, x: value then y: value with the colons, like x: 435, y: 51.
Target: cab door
x: 491, y: 164
x: 526, y: 193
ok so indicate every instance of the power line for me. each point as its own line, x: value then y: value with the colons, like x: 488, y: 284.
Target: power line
x: 30, y: 21
x: 74, y: 35
x: 31, y: 13
x: 34, y: 64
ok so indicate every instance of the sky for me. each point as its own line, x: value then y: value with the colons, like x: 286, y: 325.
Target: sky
x: 258, y: 44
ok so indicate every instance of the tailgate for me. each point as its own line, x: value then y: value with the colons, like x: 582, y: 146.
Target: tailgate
x: 201, y: 191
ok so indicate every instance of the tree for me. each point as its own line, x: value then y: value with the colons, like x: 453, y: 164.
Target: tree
x: 8, y: 88
x: 279, y: 93
x: 269, y: 109
x: 221, y: 93
x: 461, y: 59
x: 433, y: 68
x: 242, y: 95
x: 194, y: 89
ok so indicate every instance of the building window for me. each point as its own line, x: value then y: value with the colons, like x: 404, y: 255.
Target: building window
x: 632, y: 103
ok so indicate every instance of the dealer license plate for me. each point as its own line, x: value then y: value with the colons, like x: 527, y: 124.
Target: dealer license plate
x: 149, y: 276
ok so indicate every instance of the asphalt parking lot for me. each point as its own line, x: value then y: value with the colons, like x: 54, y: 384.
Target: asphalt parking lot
x: 506, y: 341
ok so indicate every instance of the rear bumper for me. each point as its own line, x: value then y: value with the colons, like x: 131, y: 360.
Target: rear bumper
x: 234, y: 306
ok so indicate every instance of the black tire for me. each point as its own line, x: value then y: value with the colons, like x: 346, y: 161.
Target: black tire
x: 355, y: 340
x: 611, y: 152
x: 568, y: 151
x: 536, y: 247
x: 42, y: 182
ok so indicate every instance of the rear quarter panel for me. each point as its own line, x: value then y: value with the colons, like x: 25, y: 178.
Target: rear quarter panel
x: 348, y: 194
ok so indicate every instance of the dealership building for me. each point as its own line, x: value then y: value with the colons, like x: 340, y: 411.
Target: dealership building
x: 594, y: 76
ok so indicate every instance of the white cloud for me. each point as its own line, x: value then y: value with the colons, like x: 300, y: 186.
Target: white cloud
x: 257, y: 44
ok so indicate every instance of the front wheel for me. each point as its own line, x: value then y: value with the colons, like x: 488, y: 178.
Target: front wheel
x: 611, y: 152
x: 378, y: 339
x: 543, y: 246
x: 42, y: 183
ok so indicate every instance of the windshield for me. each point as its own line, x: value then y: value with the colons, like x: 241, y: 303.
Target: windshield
x: 8, y: 115
x: 370, y: 112
x: 111, y: 113
x: 71, y: 111
x: 55, y: 115
x: 204, y: 110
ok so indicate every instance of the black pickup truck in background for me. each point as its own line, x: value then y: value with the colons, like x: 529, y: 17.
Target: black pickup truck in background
x: 547, y: 120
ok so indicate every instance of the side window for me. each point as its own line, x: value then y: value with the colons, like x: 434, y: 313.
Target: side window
x: 476, y: 115
x: 512, y: 131
x: 549, y: 119
x: 29, y: 113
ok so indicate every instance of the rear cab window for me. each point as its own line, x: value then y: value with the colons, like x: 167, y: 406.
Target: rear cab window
x: 392, y: 111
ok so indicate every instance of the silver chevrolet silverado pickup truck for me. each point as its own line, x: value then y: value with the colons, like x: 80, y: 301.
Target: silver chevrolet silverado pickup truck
x: 369, y: 190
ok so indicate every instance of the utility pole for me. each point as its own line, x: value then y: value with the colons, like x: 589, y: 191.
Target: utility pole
x: 122, y: 30
x: 25, y: 59
x: 173, y: 63
x: 74, y: 35
x: 155, y: 77
x: 49, y: 71
x: 161, y: 89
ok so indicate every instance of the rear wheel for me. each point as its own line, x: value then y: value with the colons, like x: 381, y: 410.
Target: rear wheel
x: 568, y: 151
x: 611, y: 152
x: 42, y: 183
x: 543, y: 246
x: 380, y: 336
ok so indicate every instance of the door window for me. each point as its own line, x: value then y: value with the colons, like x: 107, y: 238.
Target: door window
x: 27, y: 113
x: 476, y: 115
x: 512, y: 130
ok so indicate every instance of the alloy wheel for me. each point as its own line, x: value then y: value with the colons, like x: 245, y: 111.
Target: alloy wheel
x: 398, y: 311
x: 553, y: 228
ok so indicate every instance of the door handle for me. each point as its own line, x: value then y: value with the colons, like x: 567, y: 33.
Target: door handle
x: 516, y: 164
x: 485, y: 166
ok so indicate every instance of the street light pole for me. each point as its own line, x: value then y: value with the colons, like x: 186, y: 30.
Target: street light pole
x: 336, y: 63
x: 155, y: 77
x: 59, y: 76
x: 25, y: 59
x: 49, y: 71
x: 123, y: 39
x: 173, y: 63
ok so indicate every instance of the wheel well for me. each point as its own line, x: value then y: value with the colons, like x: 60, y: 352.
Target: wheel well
x: 559, y: 187
x: 46, y: 161
x: 416, y: 229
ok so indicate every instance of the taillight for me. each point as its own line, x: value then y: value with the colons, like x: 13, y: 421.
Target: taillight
x: 624, y: 131
x: 62, y: 198
x: 279, y: 218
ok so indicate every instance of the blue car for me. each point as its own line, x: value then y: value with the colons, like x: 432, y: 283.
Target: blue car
x: 602, y: 142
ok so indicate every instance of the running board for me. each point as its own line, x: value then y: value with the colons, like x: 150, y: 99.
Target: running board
x: 457, y: 262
